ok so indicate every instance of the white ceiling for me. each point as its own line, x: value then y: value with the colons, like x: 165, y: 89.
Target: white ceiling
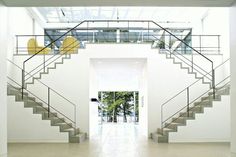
x: 44, y: 3
x: 160, y: 14
x: 118, y: 74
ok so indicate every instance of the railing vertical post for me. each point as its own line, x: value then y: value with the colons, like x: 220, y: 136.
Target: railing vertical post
x: 192, y: 62
x: 200, y: 43
x: 43, y: 62
x: 213, y: 82
x: 162, y: 117
x: 23, y: 81
x: 170, y: 45
x: 148, y: 31
x: 17, y: 46
x: 218, y: 44
x: 87, y: 30
x: 75, y: 113
x: 188, y: 101
x: 128, y: 31
x: 48, y: 102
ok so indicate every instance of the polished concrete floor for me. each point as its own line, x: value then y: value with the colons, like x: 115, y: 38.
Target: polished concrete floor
x: 117, y: 140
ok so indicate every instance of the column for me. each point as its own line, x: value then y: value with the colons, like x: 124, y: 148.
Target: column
x: 3, y: 85
x: 233, y: 77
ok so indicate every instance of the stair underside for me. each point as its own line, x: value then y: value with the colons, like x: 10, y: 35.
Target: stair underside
x: 161, y: 136
x: 75, y: 136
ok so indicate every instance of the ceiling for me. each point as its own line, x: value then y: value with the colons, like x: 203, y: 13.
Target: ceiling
x: 160, y: 14
x: 44, y: 3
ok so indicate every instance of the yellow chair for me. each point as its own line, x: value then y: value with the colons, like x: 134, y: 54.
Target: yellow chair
x: 33, y: 47
x: 69, y: 45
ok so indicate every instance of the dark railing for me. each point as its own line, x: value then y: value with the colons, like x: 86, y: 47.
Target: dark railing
x: 51, y: 96
x: 205, y: 44
x: 147, y: 27
x: 191, y: 95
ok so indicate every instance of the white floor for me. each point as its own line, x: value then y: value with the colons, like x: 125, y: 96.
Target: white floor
x: 118, y: 140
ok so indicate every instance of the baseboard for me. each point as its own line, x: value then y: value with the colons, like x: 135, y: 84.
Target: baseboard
x: 206, y: 140
x: 36, y: 141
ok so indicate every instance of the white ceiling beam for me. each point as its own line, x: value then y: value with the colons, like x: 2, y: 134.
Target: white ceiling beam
x: 54, y: 3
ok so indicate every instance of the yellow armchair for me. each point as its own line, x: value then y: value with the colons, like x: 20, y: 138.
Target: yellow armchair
x: 33, y: 47
x: 69, y: 45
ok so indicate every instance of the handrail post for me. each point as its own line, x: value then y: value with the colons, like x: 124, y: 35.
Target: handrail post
x: 192, y: 61
x: 17, y: 46
x: 200, y: 43
x: 87, y: 30
x: 213, y: 83
x: 218, y: 44
x: 128, y: 31
x: 23, y: 82
x: 161, y: 116
x: 48, y: 102
x: 148, y: 31
x: 188, y: 101
x: 75, y: 113
x: 44, y: 62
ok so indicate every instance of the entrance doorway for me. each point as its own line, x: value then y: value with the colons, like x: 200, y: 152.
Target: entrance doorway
x: 118, y: 107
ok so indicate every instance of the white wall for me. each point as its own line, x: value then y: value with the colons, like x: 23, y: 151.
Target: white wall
x: 3, y: 69
x: 22, y: 23
x: 215, y: 21
x: 143, y: 102
x: 164, y: 79
x: 211, y: 126
x: 93, y: 106
x: 24, y: 126
x: 233, y: 76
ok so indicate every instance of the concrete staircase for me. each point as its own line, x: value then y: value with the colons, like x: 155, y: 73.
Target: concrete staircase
x: 162, y: 134
x: 188, y: 68
x: 50, y: 66
x: 75, y: 136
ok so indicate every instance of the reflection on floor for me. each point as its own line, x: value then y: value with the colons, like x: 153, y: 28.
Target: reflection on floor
x: 120, y: 140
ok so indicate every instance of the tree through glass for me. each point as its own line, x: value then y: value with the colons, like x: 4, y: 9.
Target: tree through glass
x: 118, y: 106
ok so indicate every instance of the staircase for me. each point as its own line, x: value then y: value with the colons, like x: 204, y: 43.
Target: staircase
x: 162, y: 134
x: 75, y: 136
x: 189, y: 69
x: 52, y: 65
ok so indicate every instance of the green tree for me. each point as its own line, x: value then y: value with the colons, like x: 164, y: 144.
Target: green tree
x: 117, y: 103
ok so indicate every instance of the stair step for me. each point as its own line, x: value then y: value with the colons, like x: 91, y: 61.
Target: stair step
x: 197, y: 109
x: 51, y: 114
x: 211, y: 98
x: 173, y: 125
x: 32, y: 104
x: 78, y: 138
x: 165, y: 131
x: 181, y: 120
x: 55, y: 120
x: 63, y: 126
x: 40, y: 109
x: 191, y: 114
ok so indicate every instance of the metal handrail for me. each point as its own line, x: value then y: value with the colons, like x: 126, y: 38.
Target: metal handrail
x: 162, y: 106
x: 60, y: 55
x: 192, y: 103
x: 194, y: 82
x: 193, y: 64
x: 148, y: 21
x: 48, y: 103
x: 74, y: 122
x: 44, y: 84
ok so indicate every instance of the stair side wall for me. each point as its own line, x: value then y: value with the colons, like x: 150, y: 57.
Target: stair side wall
x: 24, y: 126
x: 211, y: 126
